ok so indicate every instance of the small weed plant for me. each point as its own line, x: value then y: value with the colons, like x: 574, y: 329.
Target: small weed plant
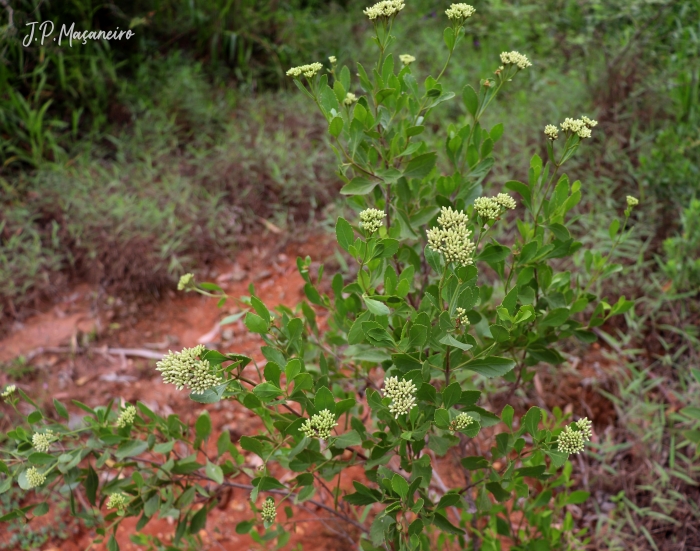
x: 377, y: 376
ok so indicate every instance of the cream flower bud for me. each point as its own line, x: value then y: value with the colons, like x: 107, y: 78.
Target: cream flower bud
x: 42, y: 440
x: 590, y: 123
x: 309, y: 71
x: 384, y: 9
x: 350, y: 98
x: 461, y: 422
x: 407, y: 59
x: 8, y: 392
x: 126, y: 417
x: 320, y: 425
x: 118, y: 501
x: 460, y: 12
x: 585, y: 425
x: 332, y: 59
x: 269, y: 511
x: 515, y: 58
x: 34, y: 477
x: 452, y: 237
x: 186, y: 369
x: 186, y: 282
x: 632, y: 201
x: 487, y: 207
x: 372, y: 219
x: 505, y: 200
x: 570, y: 441
x: 402, y: 394
x: 551, y: 131
x: 461, y: 316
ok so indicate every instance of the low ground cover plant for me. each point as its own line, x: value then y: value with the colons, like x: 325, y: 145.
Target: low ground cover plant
x: 383, y: 370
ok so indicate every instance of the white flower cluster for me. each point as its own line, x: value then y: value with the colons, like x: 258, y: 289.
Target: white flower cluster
x: 320, y: 425
x: 515, y: 58
x: 42, y: 440
x: 506, y: 201
x: 372, y: 219
x: 551, y: 131
x: 9, y: 391
x: 186, y: 282
x: 350, y: 98
x: 309, y: 71
x: 333, y: 59
x: 582, y: 126
x: 632, y: 201
x: 117, y: 501
x: 460, y: 12
x: 461, y: 422
x: 126, y: 417
x: 407, y: 59
x: 452, y: 237
x: 491, y: 208
x: 269, y: 511
x: 461, y: 316
x: 402, y: 394
x: 571, y: 441
x: 185, y: 369
x: 34, y: 477
x: 384, y: 9
x: 487, y: 208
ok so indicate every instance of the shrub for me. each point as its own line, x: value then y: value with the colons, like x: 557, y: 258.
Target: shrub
x: 441, y: 307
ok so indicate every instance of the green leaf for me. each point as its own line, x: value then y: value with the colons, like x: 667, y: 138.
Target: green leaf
x: 532, y: 420
x: 470, y: 99
x: 420, y: 167
x: 347, y: 439
x: 255, y: 323
x: 449, y: 340
x: 377, y: 308
x: 399, y: 485
x: 474, y: 462
x: 579, y: 496
x: 491, y: 366
x: 497, y: 490
x: 442, y: 418
x: 507, y: 416
x: 60, y: 409
x: 558, y: 458
x: 34, y: 417
x: 336, y: 126
x: 445, y: 525
x: 130, y: 448
x: 203, y: 426
x: 252, y: 445
x: 614, y: 227
x: 324, y: 400
x: 522, y: 189
x: 344, y: 234
x: 555, y: 318
x: 40, y: 509
x: 112, y: 544
x: 451, y: 395
x: 199, y: 520
x: 214, y: 472
x: 358, y: 186
x: 267, y: 391
x: 91, y: 483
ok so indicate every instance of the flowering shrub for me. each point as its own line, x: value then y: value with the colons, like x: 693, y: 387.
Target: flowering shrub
x: 440, y: 304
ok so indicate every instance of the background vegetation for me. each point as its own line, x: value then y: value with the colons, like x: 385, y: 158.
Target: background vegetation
x: 127, y: 163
